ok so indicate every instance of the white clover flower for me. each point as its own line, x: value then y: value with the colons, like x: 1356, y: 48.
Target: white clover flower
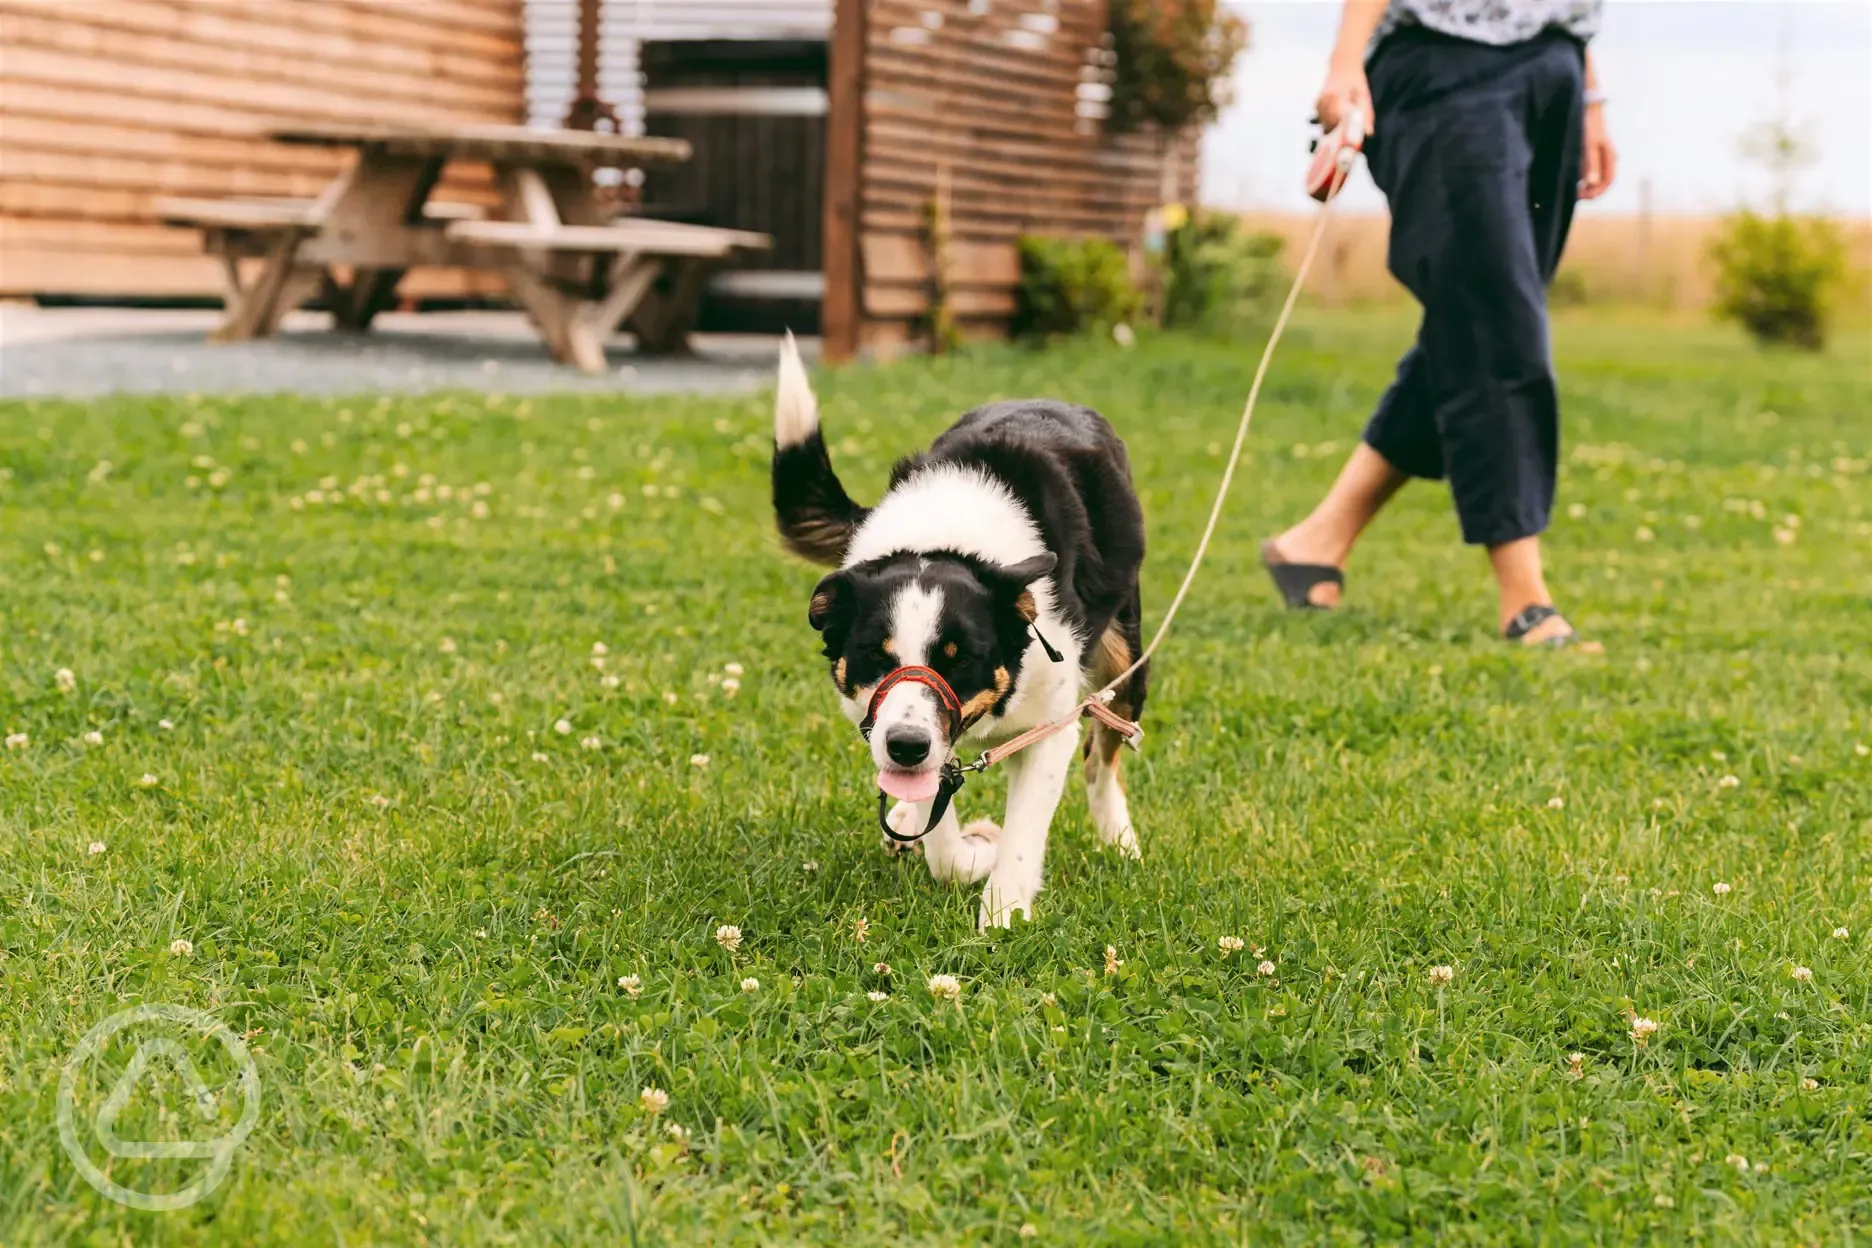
x: 1738, y: 1161
x: 563, y: 727
x: 1840, y: 933
x: 728, y: 936
x: 861, y: 930
x: 94, y: 737
x: 17, y: 741
x: 809, y: 866
x: 631, y: 984
x: 181, y: 948
x: 541, y: 758
x: 730, y: 687
x: 1810, y: 1085
x: 611, y: 682
x: 65, y: 679
x: 146, y: 780
x: 1644, y: 534
x: 1802, y: 974
x: 881, y: 968
x: 1642, y: 1029
x: 945, y: 987
x: 1229, y: 944
x: 599, y: 649
x: 669, y: 697
x: 698, y: 760
x: 1266, y: 968
x: 591, y: 743
x: 96, y: 848
x: 653, y: 1101
x: 1728, y: 782
x: 734, y: 669
x: 1576, y: 1064
x: 1577, y: 511
x: 677, y: 1132
x: 1721, y: 888
x: 1862, y: 749
x: 1440, y: 976
x: 447, y: 646
x: 1556, y: 803
x: 750, y: 984
x: 1112, y: 962
x: 167, y: 725
x: 875, y: 995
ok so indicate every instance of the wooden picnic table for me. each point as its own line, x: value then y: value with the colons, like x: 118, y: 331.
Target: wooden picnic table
x: 577, y: 269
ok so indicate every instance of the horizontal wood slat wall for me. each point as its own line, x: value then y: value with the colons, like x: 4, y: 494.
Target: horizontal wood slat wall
x: 108, y: 105
x: 996, y: 109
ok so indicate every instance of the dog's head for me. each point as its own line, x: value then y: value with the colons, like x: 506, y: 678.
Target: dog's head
x: 966, y: 619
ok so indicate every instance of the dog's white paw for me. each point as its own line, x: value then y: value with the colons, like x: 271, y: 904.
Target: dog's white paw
x: 1111, y: 814
x: 1125, y: 841
x: 1001, y: 902
x: 896, y: 819
x: 965, y: 857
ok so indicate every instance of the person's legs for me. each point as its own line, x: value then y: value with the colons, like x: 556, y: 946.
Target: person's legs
x: 1329, y: 532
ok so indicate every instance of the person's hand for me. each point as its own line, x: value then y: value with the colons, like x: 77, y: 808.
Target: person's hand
x: 1345, y: 89
x: 1600, y: 163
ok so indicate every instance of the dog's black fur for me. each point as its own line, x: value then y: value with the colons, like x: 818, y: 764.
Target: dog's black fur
x: 1067, y: 468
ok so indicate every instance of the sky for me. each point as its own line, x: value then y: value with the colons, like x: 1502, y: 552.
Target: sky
x: 1686, y: 81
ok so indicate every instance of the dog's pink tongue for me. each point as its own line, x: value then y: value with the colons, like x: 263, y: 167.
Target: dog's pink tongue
x: 910, y: 786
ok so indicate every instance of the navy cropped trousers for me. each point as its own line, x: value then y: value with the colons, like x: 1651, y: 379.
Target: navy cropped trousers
x: 1477, y: 148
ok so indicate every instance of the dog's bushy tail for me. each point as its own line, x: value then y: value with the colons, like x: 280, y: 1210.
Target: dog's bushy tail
x: 815, y: 516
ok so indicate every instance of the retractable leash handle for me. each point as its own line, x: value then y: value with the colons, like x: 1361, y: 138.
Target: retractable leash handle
x: 1334, y: 154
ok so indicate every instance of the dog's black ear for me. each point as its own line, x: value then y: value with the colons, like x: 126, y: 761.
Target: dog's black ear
x: 1014, y: 580
x: 831, y: 603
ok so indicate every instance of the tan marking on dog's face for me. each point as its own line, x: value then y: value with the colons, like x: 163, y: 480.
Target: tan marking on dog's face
x: 889, y: 647
x: 984, y: 701
x: 838, y: 677
x: 949, y: 649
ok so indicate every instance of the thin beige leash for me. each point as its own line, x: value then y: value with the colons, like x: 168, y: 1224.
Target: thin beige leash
x: 1097, y: 705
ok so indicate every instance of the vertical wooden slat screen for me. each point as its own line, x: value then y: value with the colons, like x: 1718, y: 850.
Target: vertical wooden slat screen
x: 996, y: 106
x: 106, y: 105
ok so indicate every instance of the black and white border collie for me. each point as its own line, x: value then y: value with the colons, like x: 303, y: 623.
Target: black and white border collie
x: 1018, y: 524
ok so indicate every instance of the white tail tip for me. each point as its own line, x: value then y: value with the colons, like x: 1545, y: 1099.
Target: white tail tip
x: 796, y: 411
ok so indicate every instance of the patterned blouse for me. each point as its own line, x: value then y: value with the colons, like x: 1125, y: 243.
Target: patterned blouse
x: 1499, y: 22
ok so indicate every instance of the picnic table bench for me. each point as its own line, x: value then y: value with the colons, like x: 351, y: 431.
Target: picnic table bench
x: 578, y: 271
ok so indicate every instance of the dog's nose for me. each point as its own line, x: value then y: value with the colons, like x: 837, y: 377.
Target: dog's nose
x: 907, y: 746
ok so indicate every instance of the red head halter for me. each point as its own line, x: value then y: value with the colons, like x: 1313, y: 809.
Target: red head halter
x: 929, y: 678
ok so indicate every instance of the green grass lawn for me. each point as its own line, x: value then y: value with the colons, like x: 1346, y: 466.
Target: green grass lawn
x: 343, y: 660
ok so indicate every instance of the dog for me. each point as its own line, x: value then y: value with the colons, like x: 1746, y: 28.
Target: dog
x: 1003, y: 561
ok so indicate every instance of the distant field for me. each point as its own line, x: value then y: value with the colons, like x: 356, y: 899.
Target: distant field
x: 1659, y: 263
x: 414, y: 735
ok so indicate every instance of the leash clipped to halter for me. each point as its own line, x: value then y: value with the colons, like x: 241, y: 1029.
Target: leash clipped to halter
x: 1334, y: 156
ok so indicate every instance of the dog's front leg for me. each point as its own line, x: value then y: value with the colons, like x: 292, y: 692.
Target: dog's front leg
x: 1036, y: 779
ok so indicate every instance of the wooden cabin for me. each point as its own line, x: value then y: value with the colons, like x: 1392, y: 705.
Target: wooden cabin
x: 895, y: 149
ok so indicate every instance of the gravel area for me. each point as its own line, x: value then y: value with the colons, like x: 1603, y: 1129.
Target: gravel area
x: 86, y: 352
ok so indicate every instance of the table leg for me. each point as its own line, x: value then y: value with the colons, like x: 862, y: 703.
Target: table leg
x: 370, y: 291
x: 251, y: 307
x: 664, y: 318
x: 629, y: 280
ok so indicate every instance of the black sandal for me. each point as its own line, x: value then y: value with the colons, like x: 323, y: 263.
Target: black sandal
x: 1295, y: 581
x: 1532, y: 618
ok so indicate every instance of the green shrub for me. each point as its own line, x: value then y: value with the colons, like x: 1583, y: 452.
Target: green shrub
x: 1173, y: 61
x: 1072, y: 286
x: 1776, y: 276
x: 1221, y: 278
